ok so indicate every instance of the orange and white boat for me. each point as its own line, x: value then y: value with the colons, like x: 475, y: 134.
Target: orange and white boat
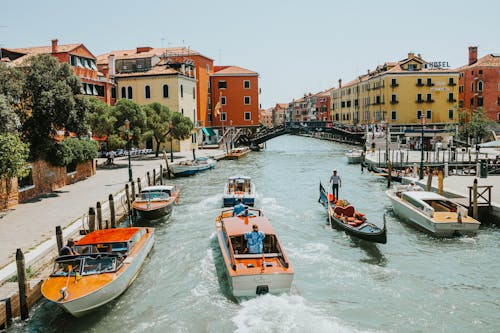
x: 157, y: 201
x: 237, y: 153
x: 252, y: 274
x: 108, y: 262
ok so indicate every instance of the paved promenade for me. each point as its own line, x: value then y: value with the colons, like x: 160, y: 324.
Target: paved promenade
x: 30, y: 224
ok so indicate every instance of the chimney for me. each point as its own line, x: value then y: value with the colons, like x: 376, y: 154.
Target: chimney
x: 411, y: 55
x: 472, y: 54
x: 54, y: 46
x: 340, y: 83
x: 141, y: 49
x: 111, y: 65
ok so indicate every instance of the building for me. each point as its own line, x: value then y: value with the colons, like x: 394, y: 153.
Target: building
x: 145, y: 76
x: 479, y: 84
x: 398, y: 93
x: 279, y: 114
x: 266, y: 117
x: 81, y: 60
x: 235, y: 98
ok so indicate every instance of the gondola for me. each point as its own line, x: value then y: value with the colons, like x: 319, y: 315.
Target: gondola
x: 346, y: 218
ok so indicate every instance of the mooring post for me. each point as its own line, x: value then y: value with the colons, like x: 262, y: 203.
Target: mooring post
x: 22, y: 281
x: 440, y: 182
x: 139, y: 186
x: 474, y: 199
x: 389, y: 174
x: 161, y: 174
x: 127, y: 194
x: 132, y: 186
x: 91, y: 219
x: 429, y: 180
x: 478, y: 169
x: 149, y: 178
x: 446, y: 170
x: 112, y: 216
x: 154, y: 177
x: 414, y: 171
x: 99, y: 215
x: 59, y: 238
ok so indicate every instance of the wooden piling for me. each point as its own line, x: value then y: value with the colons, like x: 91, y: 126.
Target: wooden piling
x: 91, y: 219
x: 149, y: 178
x: 440, y: 182
x: 165, y: 157
x: 161, y: 174
x: 429, y: 180
x: 127, y: 195
x: 112, y: 215
x: 139, y: 185
x: 59, y: 238
x: 132, y: 186
x: 99, y: 215
x: 389, y: 174
x: 474, y: 200
x: 22, y: 282
x: 154, y: 177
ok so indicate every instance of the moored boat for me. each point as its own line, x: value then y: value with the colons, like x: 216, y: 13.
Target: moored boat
x: 108, y: 262
x: 188, y: 168
x: 354, y: 156
x: 239, y: 187
x: 431, y: 212
x: 237, y: 153
x: 252, y: 274
x: 156, y: 201
x: 343, y: 216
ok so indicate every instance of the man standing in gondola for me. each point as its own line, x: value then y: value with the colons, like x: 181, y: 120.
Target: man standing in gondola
x: 335, y: 183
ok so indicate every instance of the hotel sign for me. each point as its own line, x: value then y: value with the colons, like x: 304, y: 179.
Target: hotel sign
x: 438, y: 64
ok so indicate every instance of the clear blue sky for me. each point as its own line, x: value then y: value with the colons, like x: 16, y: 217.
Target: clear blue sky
x: 295, y: 46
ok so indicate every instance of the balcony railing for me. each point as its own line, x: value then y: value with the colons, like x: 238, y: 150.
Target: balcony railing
x: 451, y: 100
x: 452, y: 84
x: 394, y: 102
x: 393, y: 85
x: 419, y: 84
x: 429, y: 100
x: 419, y: 101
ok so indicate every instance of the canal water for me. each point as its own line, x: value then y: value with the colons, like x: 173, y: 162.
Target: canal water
x: 414, y: 283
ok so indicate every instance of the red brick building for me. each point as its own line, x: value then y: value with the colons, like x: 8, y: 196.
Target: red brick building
x: 479, y: 84
x: 236, y: 90
x: 81, y: 60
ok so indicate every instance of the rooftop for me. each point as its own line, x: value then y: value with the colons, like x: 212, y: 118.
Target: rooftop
x: 232, y: 70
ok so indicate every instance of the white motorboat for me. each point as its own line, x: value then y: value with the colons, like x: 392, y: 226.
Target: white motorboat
x: 354, y: 156
x: 432, y: 212
x: 188, y: 168
x: 239, y: 187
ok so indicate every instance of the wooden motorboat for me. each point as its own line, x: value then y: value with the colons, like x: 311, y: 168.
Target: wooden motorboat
x: 252, y: 274
x: 431, y: 212
x: 343, y: 216
x: 155, y: 202
x: 108, y: 262
x: 189, y: 168
x: 239, y: 187
x: 237, y: 153
x: 354, y: 156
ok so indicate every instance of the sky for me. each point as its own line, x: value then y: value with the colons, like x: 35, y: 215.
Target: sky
x: 297, y: 47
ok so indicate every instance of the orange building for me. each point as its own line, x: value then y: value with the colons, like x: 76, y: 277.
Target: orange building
x: 81, y: 60
x: 236, y: 91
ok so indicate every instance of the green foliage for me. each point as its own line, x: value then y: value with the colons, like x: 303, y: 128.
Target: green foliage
x: 72, y: 150
x: 158, y: 122
x: 7, y: 117
x: 13, y: 156
x: 126, y: 109
x: 99, y: 116
x: 11, y: 83
x: 181, y: 126
x: 473, y: 124
x: 60, y: 154
x: 116, y: 142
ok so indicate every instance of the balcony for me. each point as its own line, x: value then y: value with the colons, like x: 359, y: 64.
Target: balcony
x: 394, y: 101
x: 419, y: 84
x: 451, y: 100
x: 452, y: 84
x: 429, y: 101
x: 429, y: 84
x: 419, y: 100
x: 394, y: 85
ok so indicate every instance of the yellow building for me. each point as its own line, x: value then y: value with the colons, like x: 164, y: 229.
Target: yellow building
x: 398, y: 93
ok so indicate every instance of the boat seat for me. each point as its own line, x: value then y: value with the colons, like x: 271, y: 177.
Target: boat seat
x: 348, y: 211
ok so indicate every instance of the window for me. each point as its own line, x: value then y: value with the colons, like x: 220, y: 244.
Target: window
x: 419, y: 82
x: 193, y: 138
x: 222, y: 116
x: 246, y: 100
x: 222, y: 100
x: 498, y: 116
x: 419, y: 114
x: 472, y: 101
x: 419, y: 97
x: 147, y: 92
x: 165, y: 91
x: 412, y: 67
x: 429, y: 82
x: 451, y: 114
x: 210, y: 117
x: 182, y: 111
x: 129, y: 90
x: 246, y: 84
x: 451, y: 98
x: 182, y: 91
x: 498, y: 86
x: 479, y: 101
x: 194, y: 115
x: 498, y: 102
x: 394, y: 83
x: 248, y: 116
x: 393, y: 98
x: 222, y: 84
x: 460, y: 89
x: 194, y: 93
x: 429, y: 97
x: 451, y: 82
x: 480, y: 86
x: 113, y: 92
x: 480, y: 71
x: 429, y: 114
x: 124, y: 92
x: 472, y: 86
x: 393, y: 115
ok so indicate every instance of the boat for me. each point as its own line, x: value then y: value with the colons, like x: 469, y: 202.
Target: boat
x: 237, y: 153
x: 108, y: 262
x: 239, y: 187
x: 431, y: 212
x: 188, y: 168
x: 252, y: 274
x: 343, y: 216
x: 156, y: 201
x: 354, y: 156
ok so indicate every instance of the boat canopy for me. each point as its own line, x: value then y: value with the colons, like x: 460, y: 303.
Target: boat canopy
x: 158, y: 188
x: 238, y: 226
x: 239, y: 178
x: 424, y: 195
x: 109, y: 236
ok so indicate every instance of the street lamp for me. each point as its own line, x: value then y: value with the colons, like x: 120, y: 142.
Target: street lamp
x: 171, y: 140
x: 421, y: 173
x: 127, y: 129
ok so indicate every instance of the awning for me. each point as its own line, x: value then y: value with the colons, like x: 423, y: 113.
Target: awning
x: 208, y: 131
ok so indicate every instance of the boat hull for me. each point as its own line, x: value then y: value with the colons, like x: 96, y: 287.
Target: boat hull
x: 181, y: 170
x: 155, y: 214
x: 253, y: 285
x: 88, y: 303
x: 353, y: 159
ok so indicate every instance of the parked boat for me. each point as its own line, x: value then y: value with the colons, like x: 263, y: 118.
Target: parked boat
x: 431, y: 212
x: 155, y: 202
x: 239, y: 187
x: 252, y: 274
x: 108, y: 263
x: 237, y: 153
x: 188, y: 168
x: 354, y: 156
x: 343, y: 216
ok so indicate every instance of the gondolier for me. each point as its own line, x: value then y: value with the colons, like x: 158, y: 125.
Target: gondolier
x: 335, y: 183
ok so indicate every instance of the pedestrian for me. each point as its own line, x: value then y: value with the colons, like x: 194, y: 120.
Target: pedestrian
x: 254, y: 239
x: 111, y: 157
x: 69, y: 249
x: 239, y: 208
x: 335, y: 183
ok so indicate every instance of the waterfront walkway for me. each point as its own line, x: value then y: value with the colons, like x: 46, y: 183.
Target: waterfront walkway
x: 30, y: 224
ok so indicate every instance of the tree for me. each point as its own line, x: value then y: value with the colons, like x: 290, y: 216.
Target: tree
x: 50, y: 90
x: 126, y: 109
x: 11, y: 83
x: 7, y: 117
x: 13, y: 156
x: 474, y: 124
x: 158, y: 123
x: 99, y: 117
x: 181, y: 126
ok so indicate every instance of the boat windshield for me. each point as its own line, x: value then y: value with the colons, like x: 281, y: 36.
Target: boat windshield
x: 155, y: 195
x: 442, y: 205
x: 101, y: 264
x: 64, y: 267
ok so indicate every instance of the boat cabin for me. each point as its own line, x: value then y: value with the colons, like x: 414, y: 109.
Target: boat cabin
x: 239, y: 184
x: 430, y: 202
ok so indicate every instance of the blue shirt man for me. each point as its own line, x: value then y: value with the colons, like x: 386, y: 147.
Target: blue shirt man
x: 239, y: 208
x: 254, y: 240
